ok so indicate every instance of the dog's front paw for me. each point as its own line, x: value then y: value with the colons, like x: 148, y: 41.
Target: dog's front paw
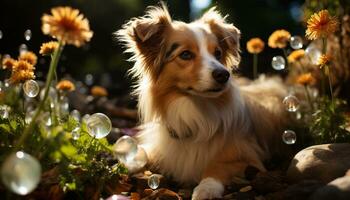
x: 208, y: 188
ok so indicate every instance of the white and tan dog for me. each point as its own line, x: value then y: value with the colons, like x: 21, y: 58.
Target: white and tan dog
x: 200, y: 125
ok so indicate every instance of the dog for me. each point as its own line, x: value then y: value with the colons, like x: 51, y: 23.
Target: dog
x: 199, y: 125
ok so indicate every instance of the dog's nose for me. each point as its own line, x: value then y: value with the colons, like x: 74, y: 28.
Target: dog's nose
x: 221, y: 75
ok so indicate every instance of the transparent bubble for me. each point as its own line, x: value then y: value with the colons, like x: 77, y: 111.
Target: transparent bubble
x: 296, y: 42
x: 29, y: 116
x: 125, y: 147
x: 22, y: 48
x: 153, y: 181
x: 31, y: 88
x: 136, y: 162
x: 4, y: 111
x: 46, y: 118
x: 27, y: 34
x: 1, y: 34
x: 99, y: 125
x: 89, y: 79
x: 52, y: 94
x: 76, y: 115
x: 291, y: 103
x: 64, y: 105
x: 85, y: 117
x: 21, y: 173
x: 76, y: 133
x: 289, y: 137
x: 298, y: 115
x: 313, y: 53
x: 278, y: 63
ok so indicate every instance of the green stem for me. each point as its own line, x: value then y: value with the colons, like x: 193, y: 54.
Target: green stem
x: 255, y: 66
x: 303, y: 68
x: 308, y: 97
x: 323, y: 75
x: 285, y: 57
x: 329, y: 81
x: 52, y: 69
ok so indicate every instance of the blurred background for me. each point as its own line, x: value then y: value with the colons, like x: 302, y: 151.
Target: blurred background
x: 101, y: 61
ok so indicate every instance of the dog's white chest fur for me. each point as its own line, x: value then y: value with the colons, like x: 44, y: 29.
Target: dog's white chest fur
x: 195, y: 123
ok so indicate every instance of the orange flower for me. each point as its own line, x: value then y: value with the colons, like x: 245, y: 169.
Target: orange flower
x: 8, y: 63
x: 29, y: 57
x: 22, y: 65
x: 279, y: 39
x: 324, y: 59
x: 321, y: 25
x: 306, y: 79
x: 48, y: 48
x: 65, y: 85
x: 255, y: 45
x: 99, y: 91
x: 67, y: 25
x: 296, y: 55
x: 21, y: 76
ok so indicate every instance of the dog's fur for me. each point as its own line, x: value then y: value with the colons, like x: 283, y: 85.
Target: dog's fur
x: 196, y: 130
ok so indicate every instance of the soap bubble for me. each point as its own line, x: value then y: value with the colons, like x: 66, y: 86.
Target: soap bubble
x: 291, y: 103
x: 21, y: 173
x: 125, y: 147
x: 289, y: 137
x: 313, y: 53
x: 278, y: 63
x: 31, y: 88
x: 27, y: 34
x: 99, y: 125
x: 136, y: 162
x: 4, y: 111
x: 76, y: 133
x: 296, y: 42
x: 153, y: 181
x: 22, y: 48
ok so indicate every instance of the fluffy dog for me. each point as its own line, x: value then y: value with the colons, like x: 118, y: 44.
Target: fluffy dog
x: 200, y: 126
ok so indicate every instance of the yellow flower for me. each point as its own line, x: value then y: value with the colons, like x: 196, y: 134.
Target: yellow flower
x: 296, y: 55
x: 21, y: 76
x: 67, y: 25
x: 99, y: 91
x: 279, y: 39
x: 8, y: 63
x: 255, y: 45
x: 321, y: 25
x: 29, y: 57
x: 306, y: 79
x: 22, y: 65
x: 48, y: 48
x: 65, y: 85
x: 324, y: 59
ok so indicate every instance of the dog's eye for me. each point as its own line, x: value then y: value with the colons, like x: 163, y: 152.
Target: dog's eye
x: 186, y: 55
x: 218, y: 54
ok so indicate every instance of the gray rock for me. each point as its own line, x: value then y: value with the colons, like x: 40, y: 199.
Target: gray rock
x: 324, y: 162
x: 339, y: 189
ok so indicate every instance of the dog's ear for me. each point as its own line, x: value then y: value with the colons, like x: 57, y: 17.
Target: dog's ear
x: 228, y: 35
x: 145, y: 37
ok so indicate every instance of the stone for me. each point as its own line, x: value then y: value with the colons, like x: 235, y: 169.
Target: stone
x: 324, y: 162
x: 337, y: 189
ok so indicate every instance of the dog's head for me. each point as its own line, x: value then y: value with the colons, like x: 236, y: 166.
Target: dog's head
x: 194, y: 58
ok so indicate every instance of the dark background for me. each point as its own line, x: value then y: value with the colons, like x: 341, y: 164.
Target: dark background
x: 103, y: 58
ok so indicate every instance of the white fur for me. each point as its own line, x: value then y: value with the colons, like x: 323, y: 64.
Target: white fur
x: 208, y: 188
x: 185, y: 159
x: 209, y: 64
